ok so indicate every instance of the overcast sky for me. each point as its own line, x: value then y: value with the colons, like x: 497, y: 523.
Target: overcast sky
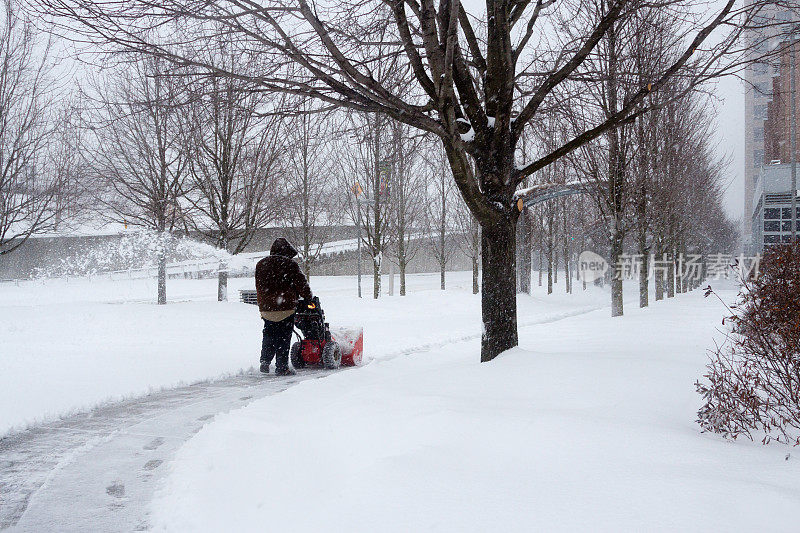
x: 730, y: 137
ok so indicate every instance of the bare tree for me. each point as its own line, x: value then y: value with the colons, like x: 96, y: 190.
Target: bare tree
x: 66, y: 163
x: 566, y: 256
x: 642, y: 163
x: 643, y: 176
x: 610, y: 155
x: 439, y: 212
x: 234, y: 158
x: 524, y: 231
x: 365, y: 169
x: 141, y: 160
x: 311, y: 207
x: 34, y: 192
x: 477, y: 94
x: 550, y: 221
x: 407, y: 195
x: 524, y: 251
x: 468, y: 238
x: 549, y: 212
x: 628, y: 56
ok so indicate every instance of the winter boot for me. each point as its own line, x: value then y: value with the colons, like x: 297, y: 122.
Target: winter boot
x: 264, y: 367
x: 285, y: 371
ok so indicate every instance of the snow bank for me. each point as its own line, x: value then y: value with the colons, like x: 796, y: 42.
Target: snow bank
x: 588, y: 426
x: 132, y: 251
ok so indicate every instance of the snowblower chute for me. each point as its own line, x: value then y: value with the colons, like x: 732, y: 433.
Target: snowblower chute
x: 320, y: 345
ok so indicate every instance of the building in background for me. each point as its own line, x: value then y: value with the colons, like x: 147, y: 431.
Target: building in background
x: 778, y: 123
x: 771, y: 221
x: 758, y: 94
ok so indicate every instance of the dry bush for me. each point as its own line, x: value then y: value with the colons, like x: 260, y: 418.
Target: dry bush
x: 753, y: 379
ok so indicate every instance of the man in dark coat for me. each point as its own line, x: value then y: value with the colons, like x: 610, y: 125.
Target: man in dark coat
x: 279, y: 286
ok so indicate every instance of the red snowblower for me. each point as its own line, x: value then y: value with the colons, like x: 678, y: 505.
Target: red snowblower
x: 321, y: 346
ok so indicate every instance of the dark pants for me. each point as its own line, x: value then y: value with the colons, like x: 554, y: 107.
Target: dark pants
x: 276, y: 341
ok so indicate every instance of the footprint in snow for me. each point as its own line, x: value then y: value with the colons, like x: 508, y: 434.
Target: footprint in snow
x: 152, y: 464
x: 116, y: 489
x: 153, y: 444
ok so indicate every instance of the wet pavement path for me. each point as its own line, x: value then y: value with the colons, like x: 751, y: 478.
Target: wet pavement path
x: 97, y: 470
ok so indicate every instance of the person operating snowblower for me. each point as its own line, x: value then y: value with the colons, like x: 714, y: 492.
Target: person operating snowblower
x: 279, y: 286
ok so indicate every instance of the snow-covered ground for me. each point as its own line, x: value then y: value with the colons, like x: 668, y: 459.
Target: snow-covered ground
x: 69, y: 345
x: 587, y: 426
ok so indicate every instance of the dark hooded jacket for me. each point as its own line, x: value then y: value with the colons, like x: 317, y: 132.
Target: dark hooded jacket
x: 279, y: 281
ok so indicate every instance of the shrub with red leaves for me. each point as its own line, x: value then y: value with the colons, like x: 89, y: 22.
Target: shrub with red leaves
x: 753, y: 379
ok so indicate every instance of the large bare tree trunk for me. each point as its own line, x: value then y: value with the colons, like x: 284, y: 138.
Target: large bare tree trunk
x: 222, y: 283
x: 402, y: 264
x: 499, y: 294
x: 376, y: 277
x: 616, y: 278
x: 162, y: 276
x: 222, y: 275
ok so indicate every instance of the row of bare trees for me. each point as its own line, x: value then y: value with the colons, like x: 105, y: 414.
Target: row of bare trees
x: 669, y: 205
x: 39, y: 163
x: 212, y: 155
x: 399, y: 189
x: 656, y: 184
x: 162, y: 148
x: 171, y: 153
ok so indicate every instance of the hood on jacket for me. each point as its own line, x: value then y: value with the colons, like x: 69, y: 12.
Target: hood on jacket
x: 282, y: 247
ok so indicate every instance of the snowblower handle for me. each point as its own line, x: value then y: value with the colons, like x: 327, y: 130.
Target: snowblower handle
x: 304, y: 305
